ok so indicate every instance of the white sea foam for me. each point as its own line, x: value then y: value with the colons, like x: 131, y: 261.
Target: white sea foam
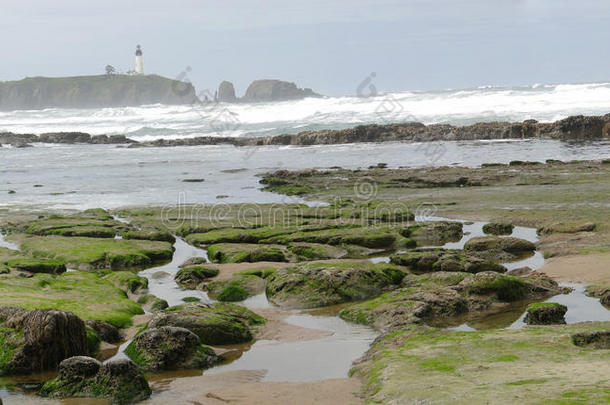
x: 486, y: 103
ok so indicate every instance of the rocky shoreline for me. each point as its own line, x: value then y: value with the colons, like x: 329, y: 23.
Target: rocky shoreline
x: 574, y: 128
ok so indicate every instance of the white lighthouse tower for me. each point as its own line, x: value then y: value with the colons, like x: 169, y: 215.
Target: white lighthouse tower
x: 139, y: 62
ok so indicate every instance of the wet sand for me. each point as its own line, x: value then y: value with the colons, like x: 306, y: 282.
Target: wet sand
x: 586, y: 269
x: 246, y: 387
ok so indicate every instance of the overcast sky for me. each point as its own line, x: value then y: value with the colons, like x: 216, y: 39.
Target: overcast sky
x: 330, y: 46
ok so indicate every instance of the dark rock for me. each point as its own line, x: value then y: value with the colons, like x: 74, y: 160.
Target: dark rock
x: 193, y: 261
x: 168, y: 348
x: 65, y: 137
x: 505, y: 288
x: 111, y: 140
x: 498, y: 228
x: 105, y: 331
x: 511, y: 245
x: 120, y: 381
x: 191, y: 277
x: 49, y: 336
x: 275, y: 90
x: 595, y: 340
x: 78, y: 367
x: 435, y: 233
x: 226, y: 92
x: 37, y: 266
x: 545, y: 313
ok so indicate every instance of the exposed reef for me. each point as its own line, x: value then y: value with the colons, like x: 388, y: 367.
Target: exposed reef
x: 571, y: 128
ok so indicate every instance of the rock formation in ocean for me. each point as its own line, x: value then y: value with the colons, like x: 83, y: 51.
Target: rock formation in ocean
x: 572, y: 128
x: 35, y: 93
x: 226, y: 92
x: 275, y: 90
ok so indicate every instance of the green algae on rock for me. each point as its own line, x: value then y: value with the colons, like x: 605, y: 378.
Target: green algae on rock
x: 483, y: 366
x: 192, y: 276
x: 120, y: 381
x: 94, y: 253
x: 444, y: 260
x: 152, y: 303
x: 126, y: 281
x: 311, y: 285
x: 214, y: 324
x: 498, y: 228
x: 84, y: 293
x: 170, y: 348
x: 246, y: 252
x: 150, y: 234
x: 237, y: 288
x: 545, y: 313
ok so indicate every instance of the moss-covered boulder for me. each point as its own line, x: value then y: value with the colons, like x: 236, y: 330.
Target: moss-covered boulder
x: 399, y: 308
x: 545, y: 313
x: 445, y: 260
x: 507, y: 244
x: 311, y: 285
x: 246, y: 252
x: 37, y: 266
x: 93, y: 253
x: 215, y: 324
x: 194, y: 261
x: 87, y: 224
x: 434, y: 233
x: 127, y: 281
x: 566, y: 227
x: 232, y: 293
x: 105, y: 331
x: 35, y: 341
x: 150, y: 234
x: 316, y: 251
x: 370, y: 237
x: 421, y: 298
x: 594, y: 340
x: 170, y: 348
x: 600, y: 290
x: 86, y: 294
x: 499, y: 248
x: 498, y: 228
x: 119, y: 381
x: 237, y: 288
x: 504, y: 288
x: 152, y: 303
x: 191, y: 277
x: 237, y: 235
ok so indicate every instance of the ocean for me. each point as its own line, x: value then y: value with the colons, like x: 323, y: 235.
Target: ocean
x: 111, y: 176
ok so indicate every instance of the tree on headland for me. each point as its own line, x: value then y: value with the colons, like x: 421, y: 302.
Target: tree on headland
x: 110, y: 70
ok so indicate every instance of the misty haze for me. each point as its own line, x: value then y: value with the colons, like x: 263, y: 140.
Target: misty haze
x: 322, y: 202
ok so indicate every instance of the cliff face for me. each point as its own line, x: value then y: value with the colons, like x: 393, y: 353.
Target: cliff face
x: 93, y: 92
x: 275, y: 90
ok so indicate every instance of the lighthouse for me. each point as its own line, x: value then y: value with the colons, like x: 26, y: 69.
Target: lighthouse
x: 139, y: 62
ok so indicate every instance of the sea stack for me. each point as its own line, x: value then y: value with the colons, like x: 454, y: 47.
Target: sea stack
x: 226, y: 92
